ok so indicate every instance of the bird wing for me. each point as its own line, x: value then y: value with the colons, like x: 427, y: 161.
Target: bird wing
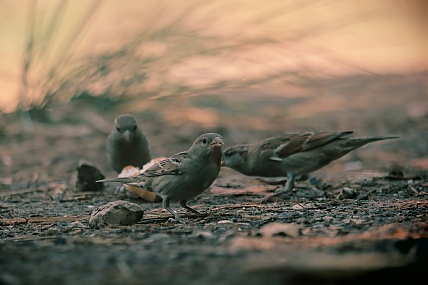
x: 169, y: 166
x: 319, y: 139
x: 305, y: 142
x: 273, y: 143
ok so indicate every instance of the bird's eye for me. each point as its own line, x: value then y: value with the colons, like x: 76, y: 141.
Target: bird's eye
x: 204, y: 141
x: 134, y: 128
x: 227, y: 154
x: 118, y: 129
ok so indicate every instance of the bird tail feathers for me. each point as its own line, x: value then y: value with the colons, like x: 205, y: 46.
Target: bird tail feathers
x: 363, y: 141
x: 379, y: 138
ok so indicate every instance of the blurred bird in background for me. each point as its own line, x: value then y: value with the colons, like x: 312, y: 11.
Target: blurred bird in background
x: 126, y: 144
x: 128, y: 152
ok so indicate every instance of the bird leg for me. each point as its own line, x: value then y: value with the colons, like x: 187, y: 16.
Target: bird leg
x: 285, y: 192
x: 184, y: 205
x: 119, y: 189
x: 165, y: 204
x: 290, y: 182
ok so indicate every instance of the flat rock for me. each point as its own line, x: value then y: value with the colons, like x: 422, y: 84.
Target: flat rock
x: 116, y: 213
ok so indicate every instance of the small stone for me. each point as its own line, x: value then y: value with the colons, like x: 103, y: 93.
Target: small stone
x: 84, y: 178
x: 363, y: 180
x: 348, y: 193
x: 297, y: 207
x: 116, y: 213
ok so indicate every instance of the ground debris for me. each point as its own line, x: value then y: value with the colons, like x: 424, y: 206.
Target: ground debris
x: 289, y: 230
x: 348, y: 193
x: 9, y: 222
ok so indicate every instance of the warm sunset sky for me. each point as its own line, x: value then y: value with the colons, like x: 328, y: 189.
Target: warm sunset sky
x: 325, y: 38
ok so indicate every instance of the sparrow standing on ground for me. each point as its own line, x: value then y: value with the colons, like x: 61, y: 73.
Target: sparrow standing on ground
x: 292, y: 155
x: 183, y: 175
x: 126, y: 144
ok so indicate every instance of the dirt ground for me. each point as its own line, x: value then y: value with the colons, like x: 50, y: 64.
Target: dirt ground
x: 318, y: 235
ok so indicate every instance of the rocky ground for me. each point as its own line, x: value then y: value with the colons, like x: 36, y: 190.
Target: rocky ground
x: 352, y: 222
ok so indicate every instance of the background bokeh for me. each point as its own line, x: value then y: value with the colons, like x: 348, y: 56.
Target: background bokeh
x: 247, y: 69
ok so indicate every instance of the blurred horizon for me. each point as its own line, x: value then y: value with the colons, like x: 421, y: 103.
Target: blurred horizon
x: 140, y: 50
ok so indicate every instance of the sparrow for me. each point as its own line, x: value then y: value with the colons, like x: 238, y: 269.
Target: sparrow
x: 126, y: 144
x: 183, y: 175
x: 292, y: 155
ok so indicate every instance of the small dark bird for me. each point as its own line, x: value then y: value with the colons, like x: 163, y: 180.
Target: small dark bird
x: 183, y: 175
x: 126, y: 144
x: 292, y: 155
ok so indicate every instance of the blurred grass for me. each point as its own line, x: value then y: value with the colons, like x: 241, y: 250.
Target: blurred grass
x: 41, y: 72
x: 141, y: 51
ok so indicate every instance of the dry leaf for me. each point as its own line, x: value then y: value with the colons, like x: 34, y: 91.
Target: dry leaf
x: 245, y: 243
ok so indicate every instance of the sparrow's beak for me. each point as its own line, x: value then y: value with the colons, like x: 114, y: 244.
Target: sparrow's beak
x: 126, y: 135
x: 217, y: 143
x: 223, y: 162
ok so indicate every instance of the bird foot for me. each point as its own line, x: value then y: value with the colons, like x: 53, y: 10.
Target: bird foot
x: 198, y: 214
x: 177, y: 219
